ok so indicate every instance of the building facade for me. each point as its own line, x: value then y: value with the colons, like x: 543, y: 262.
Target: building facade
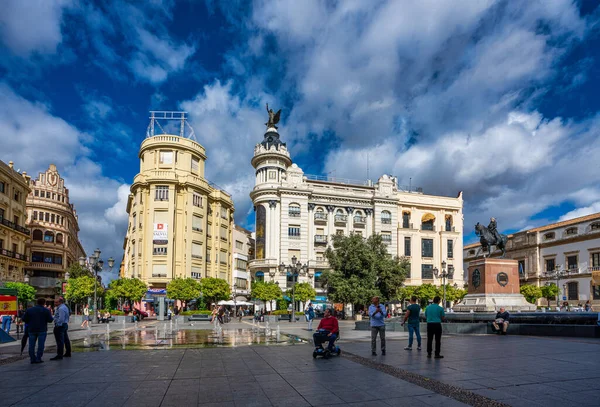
x: 14, y: 234
x: 54, y: 244
x: 296, y: 215
x: 243, y: 251
x: 565, y: 253
x: 180, y: 225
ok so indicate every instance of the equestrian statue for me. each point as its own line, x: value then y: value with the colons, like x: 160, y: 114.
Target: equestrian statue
x: 489, y: 237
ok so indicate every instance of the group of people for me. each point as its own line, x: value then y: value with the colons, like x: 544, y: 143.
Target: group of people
x: 587, y: 307
x: 36, y: 321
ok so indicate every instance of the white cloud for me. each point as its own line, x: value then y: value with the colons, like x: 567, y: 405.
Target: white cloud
x: 576, y: 213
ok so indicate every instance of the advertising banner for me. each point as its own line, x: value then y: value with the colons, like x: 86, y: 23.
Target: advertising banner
x: 8, y: 305
x: 160, y: 235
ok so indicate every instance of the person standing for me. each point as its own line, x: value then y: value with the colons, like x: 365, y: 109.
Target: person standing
x: 377, y: 322
x: 37, y: 319
x: 310, y: 315
x: 240, y: 314
x: 61, y: 328
x: 86, y: 317
x: 6, y: 322
x: 434, y: 314
x: 414, y: 325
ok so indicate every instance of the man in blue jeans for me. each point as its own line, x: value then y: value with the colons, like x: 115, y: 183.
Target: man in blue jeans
x: 377, y: 321
x: 412, y: 315
x: 37, y: 319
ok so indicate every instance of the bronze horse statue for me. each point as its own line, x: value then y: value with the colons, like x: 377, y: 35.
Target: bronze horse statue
x: 488, y: 239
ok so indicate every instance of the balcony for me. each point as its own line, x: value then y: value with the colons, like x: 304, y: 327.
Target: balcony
x: 318, y: 264
x: 195, y: 229
x: 428, y: 228
x: 159, y: 251
x: 13, y: 255
x: 159, y: 275
x: 294, y: 214
x: 341, y: 219
x: 407, y: 225
x: 16, y: 227
x: 450, y: 229
x: 360, y: 220
x: 320, y: 217
x: 321, y: 239
x: 260, y: 263
x: 386, y: 221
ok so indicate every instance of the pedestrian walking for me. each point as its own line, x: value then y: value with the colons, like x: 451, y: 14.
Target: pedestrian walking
x: 414, y: 324
x: 435, y: 315
x: 37, y: 319
x: 377, y: 321
x: 61, y: 328
x: 86, y: 316
x: 310, y: 315
x: 240, y: 314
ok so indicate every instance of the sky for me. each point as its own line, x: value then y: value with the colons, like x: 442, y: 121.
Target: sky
x: 498, y: 99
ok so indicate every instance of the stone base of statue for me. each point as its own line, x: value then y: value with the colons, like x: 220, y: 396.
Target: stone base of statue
x: 494, y: 283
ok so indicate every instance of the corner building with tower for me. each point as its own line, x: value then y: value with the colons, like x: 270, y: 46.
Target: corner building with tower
x: 180, y: 225
x: 296, y: 215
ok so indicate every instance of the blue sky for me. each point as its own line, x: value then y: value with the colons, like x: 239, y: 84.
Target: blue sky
x: 494, y: 98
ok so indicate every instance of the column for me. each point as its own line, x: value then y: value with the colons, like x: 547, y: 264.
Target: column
x: 311, y: 238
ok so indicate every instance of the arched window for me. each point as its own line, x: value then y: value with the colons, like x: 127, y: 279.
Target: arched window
x: 359, y: 218
x: 294, y: 210
x: 320, y: 215
x: 571, y: 231
x: 49, y: 237
x: 427, y: 222
x: 595, y: 226
x: 549, y: 236
x: 448, y: 223
x: 38, y: 235
x: 59, y: 238
x: 386, y: 217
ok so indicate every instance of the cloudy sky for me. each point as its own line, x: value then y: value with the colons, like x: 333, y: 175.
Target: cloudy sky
x: 498, y: 99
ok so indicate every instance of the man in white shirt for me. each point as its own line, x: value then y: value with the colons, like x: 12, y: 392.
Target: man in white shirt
x: 61, y: 326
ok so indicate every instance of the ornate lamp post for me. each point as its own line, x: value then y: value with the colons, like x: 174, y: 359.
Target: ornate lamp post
x: 95, y: 264
x: 295, y: 269
x: 557, y: 274
x: 234, y: 294
x: 449, y: 274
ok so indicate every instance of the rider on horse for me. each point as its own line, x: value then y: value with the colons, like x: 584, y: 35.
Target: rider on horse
x: 493, y: 228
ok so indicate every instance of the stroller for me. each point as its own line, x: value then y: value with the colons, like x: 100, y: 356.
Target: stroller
x: 320, y: 337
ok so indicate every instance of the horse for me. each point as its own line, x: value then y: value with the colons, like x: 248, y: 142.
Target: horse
x: 487, y: 240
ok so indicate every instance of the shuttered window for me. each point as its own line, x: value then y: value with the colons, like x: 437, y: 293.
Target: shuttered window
x: 196, y: 250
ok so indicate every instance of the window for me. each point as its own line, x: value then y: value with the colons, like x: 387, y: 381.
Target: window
x: 17, y: 195
x: 595, y: 226
x: 426, y: 247
x: 196, y: 273
x: 16, y: 220
x: 294, y: 231
x: 197, y: 200
x: 571, y: 231
x: 550, y: 264
x: 2, y: 244
x: 197, y: 223
x: 521, y: 267
x: 36, y: 192
x: 165, y: 157
x: 53, y: 195
x: 239, y: 245
x: 208, y: 253
x: 572, y: 263
x: 159, y: 250
x: 59, y: 238
x: 595, y: 261
x: 37, y: 257
x: 1, y: 214
x: 224, y: 213
x: 427, y: 225
x: 549, y: 236
x: 573, y: 291
x: 159, y: 270
x: 162, y: 193
x: 427, y: 271
x: 407, y: 246
x: 49, y: 237
x: 34, y: 215
x: 471, y: 252
x: 386, y: 217
x: 294, y: 211
x: 406, y: 220
x: 450, y: 248
x: 224, y: 233
x: 272, y: 175
x: 448, y: 223
x: 195, y: 165
x: 196, y: 250
x: 241, y: 283
x: 386, y: 237
x: 240, y: 264
x: 134, y: 221
x: 2, y: 187
x: 596, y: 292
x: 15, y: 248
x: 223, y: 257
x: 38, y: 235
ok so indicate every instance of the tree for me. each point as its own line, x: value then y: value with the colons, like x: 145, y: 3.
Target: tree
x: 549, y: 292
x: 303, y: 292
x: 81, y: 288
x: 426, y: 292
x: 25, y: 292
x: 265, y: 291
x: 183, y: 289
x: 214, y: 289
x: 406, y: 292
x: 391, y: 271
x: 131, y: 289
x: 531, y: 292
x: 75, y: 270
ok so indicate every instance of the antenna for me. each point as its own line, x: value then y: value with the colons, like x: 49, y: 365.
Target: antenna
x: 157, y: 116
x: 409, y: 184
x: 367, y: 165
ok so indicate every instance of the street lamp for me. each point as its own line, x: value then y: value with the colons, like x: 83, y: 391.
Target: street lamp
x: 557, y: 274
x: 95, y: 264
x: 443, y: 275
x: 234, y: 300
x: 295, y: 268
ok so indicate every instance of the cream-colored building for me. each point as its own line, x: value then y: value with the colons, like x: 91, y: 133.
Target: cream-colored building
x: 14, y: 187
x: 54, y: 226
x: 296, y: 214
x: 243, y: 251
x: 180, y: 225
x: 571, y: 247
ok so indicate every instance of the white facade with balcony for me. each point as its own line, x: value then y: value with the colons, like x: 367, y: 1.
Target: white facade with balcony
x: 568, y: 249
x: 243, y: 251
x: 296, y: 215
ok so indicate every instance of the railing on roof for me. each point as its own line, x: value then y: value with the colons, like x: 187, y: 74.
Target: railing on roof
x: 367, y: 183
x: 215, y: 186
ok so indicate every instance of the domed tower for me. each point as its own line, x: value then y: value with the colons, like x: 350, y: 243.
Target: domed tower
x: 271, y: 161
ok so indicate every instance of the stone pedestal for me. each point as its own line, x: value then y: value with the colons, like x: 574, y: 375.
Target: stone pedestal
x: 494, y: 283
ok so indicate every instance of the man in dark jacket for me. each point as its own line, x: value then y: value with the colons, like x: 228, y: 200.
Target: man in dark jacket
x: 501, y: 319
x: 37, y: 319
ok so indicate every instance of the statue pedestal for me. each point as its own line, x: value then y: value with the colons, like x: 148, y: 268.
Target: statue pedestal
x: 494, y: 283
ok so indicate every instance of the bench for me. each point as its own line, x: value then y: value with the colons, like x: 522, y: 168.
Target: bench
x: 286, y: 317
x: 105, y: 321
x: 200, y: 317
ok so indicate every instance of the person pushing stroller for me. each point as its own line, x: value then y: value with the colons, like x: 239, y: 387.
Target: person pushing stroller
x: 327, y: 331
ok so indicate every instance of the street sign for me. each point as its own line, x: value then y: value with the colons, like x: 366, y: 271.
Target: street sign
x: 564, y: 297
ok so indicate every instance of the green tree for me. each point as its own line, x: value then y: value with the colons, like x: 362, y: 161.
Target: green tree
x: 549, y: 292
x: 183, y: 289
x: 25, y: 292
x: 391, y: 271
x: 214, y: 289
x: 303, y: 292
x: 130, y: 289
x: 81, y: 288
x: 426, y: 292
x: 406, y: 292
x: 265, y: 291
x: 76, y: 271
x: 531, y: 292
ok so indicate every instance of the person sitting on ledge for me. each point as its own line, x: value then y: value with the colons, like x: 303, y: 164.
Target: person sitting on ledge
x: 501, y: 318
x: 327, y: 330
